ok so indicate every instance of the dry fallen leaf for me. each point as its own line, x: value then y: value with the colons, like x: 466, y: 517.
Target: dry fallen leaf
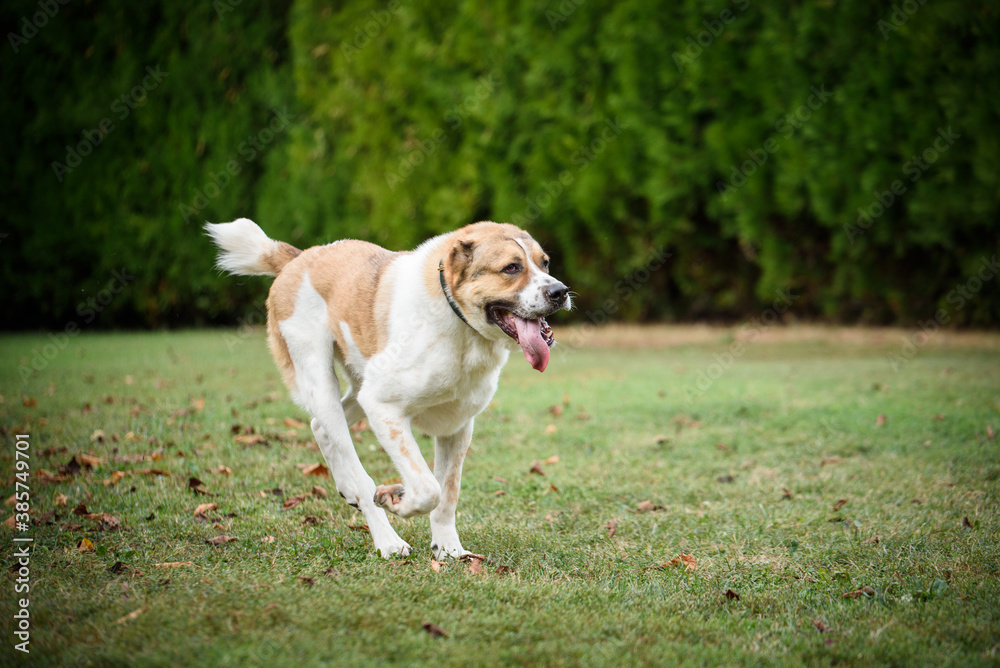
x: 476, y: 566
x: 939, y: 417
x: 861, y: 591
x: 61, y: 500
x: 500, y: 480
x: 90, y: 461
x: 316, y: 469
x: 435, y: 630
x: 612, y: 527
x: 786, y: 493
x: 198, y: 404
x: 499, y: 492
x: 292, y: 423
x: 880, y: 420
x: 820, y: 626
x: 115, y: 478
x: 551, y: 429
x: 646, y: 507
x: 319, y: 491
x: 224, y: 470
x: 536, y: 468
x: 830, y: 460
x: 358, y: 527
x: 685, y: 560
x: 81, y: 509
x: 132, y: 615
x: 554, y: 459
x: 84, y: 545
x: 249, y: 439
x: 30, y: 402
x: 98, y: 436
x: 293, y: 501
x: 151, y: 472
x: 731, y: 595
x: 840, y: 504
x: 220, y: 540
x: 556, y: 410
x: 11, y: 500
x: 204, y: 508
x: 10, y: 522
x: 174, y: 564
x: 436, y: 565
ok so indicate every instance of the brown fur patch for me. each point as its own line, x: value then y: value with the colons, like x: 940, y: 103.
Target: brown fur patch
x: 277, y: 259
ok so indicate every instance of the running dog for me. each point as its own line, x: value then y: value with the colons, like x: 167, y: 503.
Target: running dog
x: 420, y: 337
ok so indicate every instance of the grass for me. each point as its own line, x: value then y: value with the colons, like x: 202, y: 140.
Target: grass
x: 795, y: 415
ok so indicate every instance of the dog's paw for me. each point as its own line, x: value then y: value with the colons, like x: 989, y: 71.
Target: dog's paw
x: 389, y: 497
x: 396, y: 549
x: 453, y: 550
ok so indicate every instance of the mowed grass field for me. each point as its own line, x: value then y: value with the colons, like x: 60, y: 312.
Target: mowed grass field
x: 817, y: 531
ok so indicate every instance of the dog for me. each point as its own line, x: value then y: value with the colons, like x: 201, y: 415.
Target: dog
x: 419, y: 337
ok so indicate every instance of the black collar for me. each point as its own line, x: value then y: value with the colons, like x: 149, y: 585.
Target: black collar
x: 447, y: 295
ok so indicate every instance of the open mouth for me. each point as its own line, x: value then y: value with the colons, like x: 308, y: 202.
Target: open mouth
x: 534, y: 336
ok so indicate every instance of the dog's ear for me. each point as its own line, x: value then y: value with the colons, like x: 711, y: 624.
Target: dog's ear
x: 460, y: 258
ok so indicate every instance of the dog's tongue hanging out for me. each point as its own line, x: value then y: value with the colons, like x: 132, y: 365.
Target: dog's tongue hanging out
x: 529, y: 337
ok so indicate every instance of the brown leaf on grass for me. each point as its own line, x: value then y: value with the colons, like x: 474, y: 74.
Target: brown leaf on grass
x: 319, y: 491
x: 536, y: 468
x: 435, y: 630
x: 292, y: 423
x: 105, y: 522
x: 556, y: 411
x: 10, y: 522
x: 786, y: 494
x: 731, y: 595
x: 250, y: 439
x: 198, y: 404
x: 90, y: 461
x: 61, y: 500
x: 174, y: 564
x: 132, y: 615
x: 725, y: 478
x: 29, y: 402
x: 311, y: 520
x: 47, y: 476
x: 861, y: 591
x: 500, y: 480
x: 224, y: 470
x: 872, y: 540
x: 683, y: 559
x: 646, y: 507
x: 151, y: 472
x: 499, y: 492
x: 293, y: 501
x: 220, y: 540
x: 476, y: 566
x: 612, y: 527
x: 204, y: 508
x: 821, y: 627
x: 436, y: 565
x: 267, y: 539
x: 939, y: 417
x: 989, y: 432
x: 553, y: 488
x: 358, y: 527
x: 98, y: 436
x: 554, y: 459
x: 316, y: 469
x: 197, y: 486
x: 11, y: 500
x: 114, y: 479
x: 551, y: 429
x: 880, y: 420
x: 81, y: 509
x: 830, y: 460
x: 966, y: 524
x: 840, y: 504
x: 84, y: 545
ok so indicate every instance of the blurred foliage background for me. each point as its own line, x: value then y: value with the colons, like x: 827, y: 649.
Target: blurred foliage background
x: 743, y: 138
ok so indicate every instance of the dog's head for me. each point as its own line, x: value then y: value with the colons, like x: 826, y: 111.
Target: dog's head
x: 499, y: 276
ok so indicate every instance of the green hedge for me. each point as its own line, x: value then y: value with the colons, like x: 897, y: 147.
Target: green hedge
x: 741, y: 137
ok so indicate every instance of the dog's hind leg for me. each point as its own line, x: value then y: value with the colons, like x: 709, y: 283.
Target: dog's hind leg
x: 310, y: 346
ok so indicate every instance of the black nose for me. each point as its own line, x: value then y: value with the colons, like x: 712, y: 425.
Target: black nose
x: 556, y: 293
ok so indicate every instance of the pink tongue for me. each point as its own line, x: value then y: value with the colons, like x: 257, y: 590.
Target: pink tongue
x: 529, y: 337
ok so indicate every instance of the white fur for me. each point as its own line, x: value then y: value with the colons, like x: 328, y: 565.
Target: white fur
x: 243, y: 246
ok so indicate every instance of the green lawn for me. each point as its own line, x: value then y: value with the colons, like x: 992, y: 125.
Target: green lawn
x: 906, y: 507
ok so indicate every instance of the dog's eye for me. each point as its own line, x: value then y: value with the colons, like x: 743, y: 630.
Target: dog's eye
x: 545, y: 264
x: 512, y: 268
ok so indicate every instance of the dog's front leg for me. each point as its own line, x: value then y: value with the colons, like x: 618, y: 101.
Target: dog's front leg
x: 420, y: 491
x: 449, y: 453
